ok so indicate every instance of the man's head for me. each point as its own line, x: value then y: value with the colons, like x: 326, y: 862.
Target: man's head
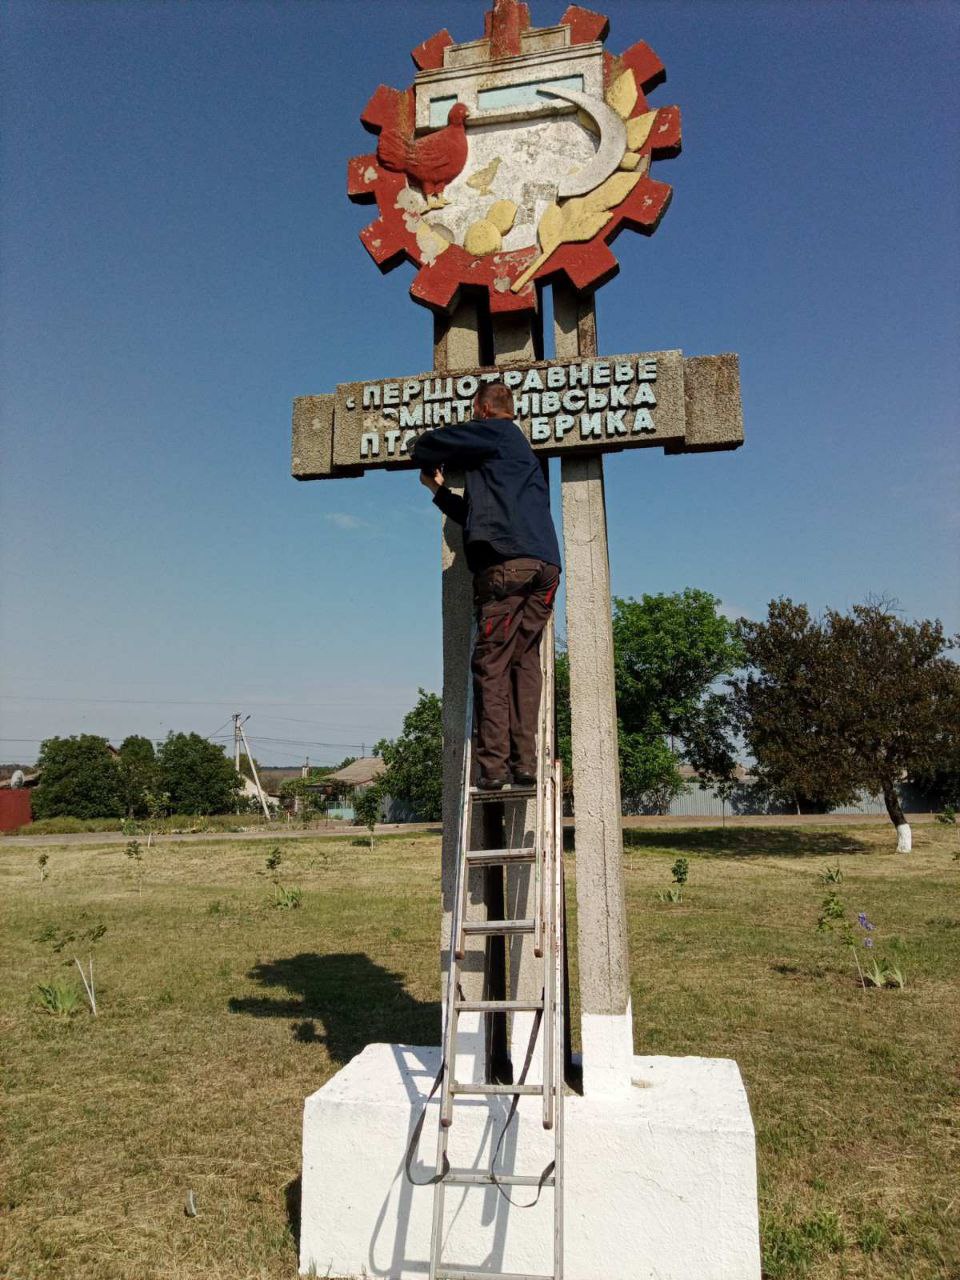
x: 494, y: 400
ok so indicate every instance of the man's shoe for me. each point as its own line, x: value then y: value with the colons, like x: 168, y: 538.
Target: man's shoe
x: 491, y: 784
x: 523, y: 778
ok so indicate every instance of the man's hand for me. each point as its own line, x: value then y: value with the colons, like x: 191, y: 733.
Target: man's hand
x: 433, y: 480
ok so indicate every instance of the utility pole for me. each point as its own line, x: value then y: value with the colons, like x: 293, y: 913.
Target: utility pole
x: 298, y: 804
x: 240, y: 739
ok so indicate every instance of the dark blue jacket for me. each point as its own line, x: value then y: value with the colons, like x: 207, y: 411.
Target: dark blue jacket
x: 505, y: 509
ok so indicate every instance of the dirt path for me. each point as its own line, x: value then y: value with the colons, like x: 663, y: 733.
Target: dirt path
x: 334, y: 830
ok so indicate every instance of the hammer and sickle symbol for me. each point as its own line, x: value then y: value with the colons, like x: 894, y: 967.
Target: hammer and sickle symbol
x: 613, y: 143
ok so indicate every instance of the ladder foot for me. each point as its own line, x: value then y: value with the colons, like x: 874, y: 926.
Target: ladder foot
x: 540, y: 847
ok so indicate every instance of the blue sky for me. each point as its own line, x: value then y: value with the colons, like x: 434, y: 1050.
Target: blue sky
x: 180, y: 260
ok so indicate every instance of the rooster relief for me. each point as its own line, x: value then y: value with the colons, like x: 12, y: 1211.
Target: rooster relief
x: 432, y: 161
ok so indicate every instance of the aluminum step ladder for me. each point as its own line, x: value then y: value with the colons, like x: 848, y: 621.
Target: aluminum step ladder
x: 546, y: 925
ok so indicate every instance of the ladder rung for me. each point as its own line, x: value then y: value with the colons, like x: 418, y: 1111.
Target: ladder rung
x: 509, y: 1089
x: 476, y: 1178
x: 499, y: 1006
x: 467, y: 1273
x: 493, y: 857
x: 505, y: 793
x: 498, y: 926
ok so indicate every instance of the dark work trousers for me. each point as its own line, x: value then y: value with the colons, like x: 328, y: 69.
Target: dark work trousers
x: 513, y: 602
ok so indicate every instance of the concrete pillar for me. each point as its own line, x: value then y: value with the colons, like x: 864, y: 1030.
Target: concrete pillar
x: 457, y: 346
x: 606, y: 1020
x: 517, y: 338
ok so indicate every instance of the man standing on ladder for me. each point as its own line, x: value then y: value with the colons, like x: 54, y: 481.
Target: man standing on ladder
x: 512, y: 551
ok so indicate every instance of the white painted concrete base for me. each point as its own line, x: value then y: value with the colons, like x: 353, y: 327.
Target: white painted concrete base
x: 607, y: 1057
x: 660, y: 1181
x: 904, y: 838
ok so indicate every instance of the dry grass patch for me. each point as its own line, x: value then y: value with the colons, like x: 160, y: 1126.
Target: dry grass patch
x: 220, y: 1012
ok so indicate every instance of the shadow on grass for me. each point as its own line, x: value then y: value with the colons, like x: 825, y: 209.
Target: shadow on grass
x: 356, y: 1002
x: 292, y: 1194
x: 746, y: 842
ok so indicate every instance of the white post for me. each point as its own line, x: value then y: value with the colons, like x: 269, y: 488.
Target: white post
x: 606, y: 1019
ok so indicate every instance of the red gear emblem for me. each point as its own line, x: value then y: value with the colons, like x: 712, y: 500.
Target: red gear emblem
x: 407, y: 177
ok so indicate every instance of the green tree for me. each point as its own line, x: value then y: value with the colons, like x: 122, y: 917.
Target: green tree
x: 649, y: 776
x: 834, y: 706
x: 669, y: 650
x: 414, y: 761
x: 137, y: 766
x: 669, y: 653
x: 79, y: 778
x: 314, y: 800
x: 940, y: 786
x: 196, y: 775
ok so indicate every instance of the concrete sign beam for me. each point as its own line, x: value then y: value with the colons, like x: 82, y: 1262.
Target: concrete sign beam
x: 643, y: 400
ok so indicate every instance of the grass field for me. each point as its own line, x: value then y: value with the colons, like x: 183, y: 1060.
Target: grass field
x: 219, y: 1012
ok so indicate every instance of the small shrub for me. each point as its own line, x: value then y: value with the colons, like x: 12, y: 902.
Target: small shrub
x: 74, y: 939
x: 274, y: 858
x: 948, y: 818
x: 134, y: 852
x: 287, y: 899
x: 832, y: 875
x: 366, y: 809
x: 834, y: 919
x: 42, y: 865
x: 680, y: 870
x: 878, y: 974
x: 670, y: 895
x: 59, y: 998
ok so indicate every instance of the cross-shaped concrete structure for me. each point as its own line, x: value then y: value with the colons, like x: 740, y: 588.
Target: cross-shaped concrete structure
x: 506, y: 170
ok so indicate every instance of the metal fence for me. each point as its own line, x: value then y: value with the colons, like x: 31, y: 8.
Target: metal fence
x: 699, y: 801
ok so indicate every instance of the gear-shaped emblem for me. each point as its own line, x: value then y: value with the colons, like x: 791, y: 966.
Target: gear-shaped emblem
x: 514, y: 158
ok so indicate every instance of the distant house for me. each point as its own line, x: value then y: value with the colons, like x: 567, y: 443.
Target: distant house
x: 358, y: 776
x: 360, y: 773
x: 249, y: 792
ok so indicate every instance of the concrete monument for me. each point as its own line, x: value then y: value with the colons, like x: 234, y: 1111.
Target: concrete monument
x: 509, y: 167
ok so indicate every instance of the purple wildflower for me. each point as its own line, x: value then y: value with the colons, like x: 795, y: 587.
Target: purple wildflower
x: 868, y: 942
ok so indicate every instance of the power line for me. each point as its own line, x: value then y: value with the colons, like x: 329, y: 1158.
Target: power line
x: 296, y: 742
x: 217, y: 731
x: 179, y: 702
x: 290, y: 720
